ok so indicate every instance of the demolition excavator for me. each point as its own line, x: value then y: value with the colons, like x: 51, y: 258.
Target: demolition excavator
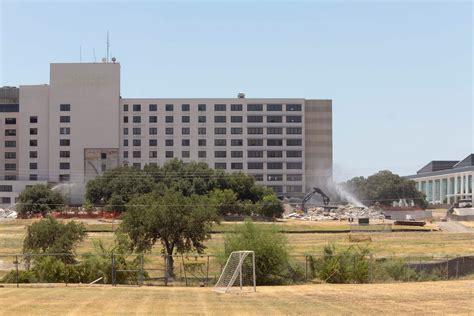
x: 308, y: 197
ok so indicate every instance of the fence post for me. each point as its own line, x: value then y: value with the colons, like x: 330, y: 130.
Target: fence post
x: 207, y: 271
x: 306, y: 267
x: 447, y: 267
x: 141, y: 269
x: 113, y: 269
x: 16, y: 267
x: 184, y: 270
x: 371, y: 258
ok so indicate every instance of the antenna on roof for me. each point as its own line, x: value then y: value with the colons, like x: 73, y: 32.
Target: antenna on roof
x: 108, y: 45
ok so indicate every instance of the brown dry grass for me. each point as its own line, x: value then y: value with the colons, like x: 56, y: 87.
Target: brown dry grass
x: 443, y: 297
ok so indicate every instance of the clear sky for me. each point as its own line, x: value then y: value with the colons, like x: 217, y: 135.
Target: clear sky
x: 399, y: 73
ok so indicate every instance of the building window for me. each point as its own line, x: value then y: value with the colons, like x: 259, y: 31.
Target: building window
x: 294, y: 142
x: 275, y: 177
x: 169, y: 154
x: 185, y: 131
x: 293, y: 119
x: 255, y: 154
x: 201, y: 154
x: 236, y: 142
x: 66, y: 130
x: 125, y: 107
x: 33, y: 166
x: 64, y: 165
x: 220, y: 154
x: 64, y: 142
x: 274, y: 119
x: 185, y: 142
x: 64, y: 154
x: 169, y: 107
x: 276, y: 188
x: 169, y: 119
x: 294, y: 165
x: 152, y: 107
x: 185, y: 107
x: 236, y: 165
x: 6, y: 188
x: 137, y: 165
x: 201, y: 119
x: 220, y: 130
x: 294, y: 154
x: 137, y: 131
x: 274, y: 130
x: 236, y: 107
x: 137, y: 154
x: 153, y: 119
x: 65, y: 119
x: 125, y: 154
x: 220, y: 165
x: 169, y: 131
x: 10, y: 143
x: 257, y: 177
x: 236, y: 130
x: 294, y: 177
x: 137, y: 119
x: 152, y: 142
x: 293, y: 107
x: 220, y: 142
x: 201, y: 142
x: 10, y: 177
x: 125, y: 119
x: 201, y: 107
x: 254, y: 130
x: 219, y: 119
x: 10, y: 132
x: 33, y: 177
x: 274, y: 142
x: 33, y: 154
x: 201, y: 131
x: 103, y: 156
x: 137, y: 142
x: 125, y: 142
x: 274, y: 154
x: 236, y: 154
x: 254, y: 119
x: 64, y: 107
x: 10, y: 166
x: 185, y: 154
x: 274, y: 107
x: 33, y: 119
x: 274, y: 165
x: 184, y: 119
x: 254, y: 165
x: 125, y: 130
x: 236, y: 119
x: 137, y: 107
x: 33, y: 142
x: 254, y: 142
x: 10, y: 121
x: 254, y: 107
x: 169, y: 142
x: 219, y: 107
x: 293, y: 130
x: 294, y: 189
x: 153, y: 154
x: 6, y: 200
x: 33, y: 131
x: 152, y: 131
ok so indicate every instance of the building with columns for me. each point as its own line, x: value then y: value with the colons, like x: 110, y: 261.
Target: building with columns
x: 446, y: 181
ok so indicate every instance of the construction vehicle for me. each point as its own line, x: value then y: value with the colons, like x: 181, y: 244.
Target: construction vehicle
x: 308, y: 197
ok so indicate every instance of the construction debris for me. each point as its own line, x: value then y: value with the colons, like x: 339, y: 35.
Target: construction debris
x: 7, y: 213
x: 339, y: 213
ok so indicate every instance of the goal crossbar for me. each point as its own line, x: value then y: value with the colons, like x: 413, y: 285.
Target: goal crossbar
x: 223, y: 285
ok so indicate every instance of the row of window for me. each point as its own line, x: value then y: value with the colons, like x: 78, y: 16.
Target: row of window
x: 217, y: 107
x: 217, y: 142
x: 217, y: 119
x: 217, y: 130
x: 34, y: 143
x: 217, y: 154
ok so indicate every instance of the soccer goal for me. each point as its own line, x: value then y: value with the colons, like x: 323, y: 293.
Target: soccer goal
x: 238, y: 274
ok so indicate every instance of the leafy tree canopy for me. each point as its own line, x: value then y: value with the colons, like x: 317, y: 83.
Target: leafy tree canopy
x: 39, y: 199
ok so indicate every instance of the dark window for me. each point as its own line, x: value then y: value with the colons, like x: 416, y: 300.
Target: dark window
x: 274, y: 154
x: 6, y: 200
x: 64, y: 154
x: 201, y: 131
x: 294, y: 165
x: 219, y: 107
x: 236, y: 165
x: 64, y: 130
x: 293, y: 107
x: 169, y: 107
x: 10, y: 166
x: 294, y: 154
x: 220, y: 165
x: 254, y: 119
x: 125, y: 154
x: 201, y: 142
x: 137, y: 131
x: 153, y: 154
x: 293, y: 130
x: 184, y: 119
x: 185, y: 131
x: 185, y: 142
x: 137, y: 142
x: 236, y: 130
x: 274, y: 107
x: 33, y: 166
x: 201, y: 107
x: 255, y: 165
x: 65, y: 119
x: 219, y: 119
x: 169, y: 142
x: 274, y: 165
x: 65, y: 107
x: 185, y: 107
x: 137, y: 119
x: 220, y: 154
x: 125, y: 119
x: 10, y: 132
x: 152, y: 107
x: 153, y: 142
x: 236, y: 142
x: 220, y: 130
x: 137, y: 107
x: 255, y: 154
x: 9, y: 108
x: 293, y: 119
x: 153, y: 131
x: 33, y: 177
x: 236, y: 119
x: 137, y: 165
x: 125, y: 142
x: 33, y: 154
x: 294, y: 188
x: 276, y: 188
x: 274, y: 130
x: 294, y: 142
x: 236, y: 154
x: 125, y: 107
x: 10, y: 155
x: 125, y: 131
x: 275, y: 177
x: 10, y: 177
x: 254, y: 130
x: 64, y: 165
x: 201, y: 154
x: 236, y: 107
x: 258, y: 177
x: 10, y: 121
x: 137, y: 154
x: 274, y: 119
x: 33, y: 119
x: 220, y: 142
x: 274, y: 142
x: 169, y: 131
x: 255, y: 142
x: 10, y: 143
x: 294, y: 177
x: 34, y: 142
x: 201, y: 119
x: 6, y: 188
x: 254, y: 107
x: 169, y: 154
x: 169, y: 119
x: 185, y: 154
x: 153, y: 119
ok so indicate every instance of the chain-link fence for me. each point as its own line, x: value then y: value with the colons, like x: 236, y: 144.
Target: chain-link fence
x: 149, y: 269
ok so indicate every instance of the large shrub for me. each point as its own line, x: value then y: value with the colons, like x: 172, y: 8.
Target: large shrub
x: 38, y: 199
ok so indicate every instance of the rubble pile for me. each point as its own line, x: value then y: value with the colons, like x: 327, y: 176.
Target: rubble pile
x: 338, y: 213
x: 7, y: 213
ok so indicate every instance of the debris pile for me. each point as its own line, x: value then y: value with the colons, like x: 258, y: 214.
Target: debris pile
x: 338, y: 213
x: 7, y: 213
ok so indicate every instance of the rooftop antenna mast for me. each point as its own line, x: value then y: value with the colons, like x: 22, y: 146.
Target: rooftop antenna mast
x: 108, y: 45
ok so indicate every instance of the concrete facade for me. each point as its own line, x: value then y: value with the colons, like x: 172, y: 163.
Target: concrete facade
x: 78, y: 126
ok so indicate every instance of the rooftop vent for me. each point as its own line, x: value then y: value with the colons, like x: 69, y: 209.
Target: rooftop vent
x: 241, y: 95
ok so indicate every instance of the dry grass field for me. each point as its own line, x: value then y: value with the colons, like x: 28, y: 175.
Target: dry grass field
x: 443, y: 297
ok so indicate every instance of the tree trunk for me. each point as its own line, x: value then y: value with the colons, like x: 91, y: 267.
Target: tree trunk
x: 170, y: 265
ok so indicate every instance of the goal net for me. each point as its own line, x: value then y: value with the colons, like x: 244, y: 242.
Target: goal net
x: 238, y: 274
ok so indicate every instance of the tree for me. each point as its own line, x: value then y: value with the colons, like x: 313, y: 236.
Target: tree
x: 180, y: 223
x: 385, y: 187
x: 39, y: 199
x: 227, y: 203
x: 50, y: 236
x: 270, y: 206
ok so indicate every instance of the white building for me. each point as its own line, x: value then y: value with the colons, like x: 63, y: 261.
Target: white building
x: 446, y: 181
x: 78, y: 126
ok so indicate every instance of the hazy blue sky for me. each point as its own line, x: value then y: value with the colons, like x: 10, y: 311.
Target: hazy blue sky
x: 399, y: 73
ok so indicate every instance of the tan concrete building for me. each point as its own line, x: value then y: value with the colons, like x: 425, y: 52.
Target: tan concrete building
x: 78, y: 126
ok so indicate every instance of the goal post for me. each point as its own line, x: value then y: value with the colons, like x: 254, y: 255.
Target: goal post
x: 238, y: 274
